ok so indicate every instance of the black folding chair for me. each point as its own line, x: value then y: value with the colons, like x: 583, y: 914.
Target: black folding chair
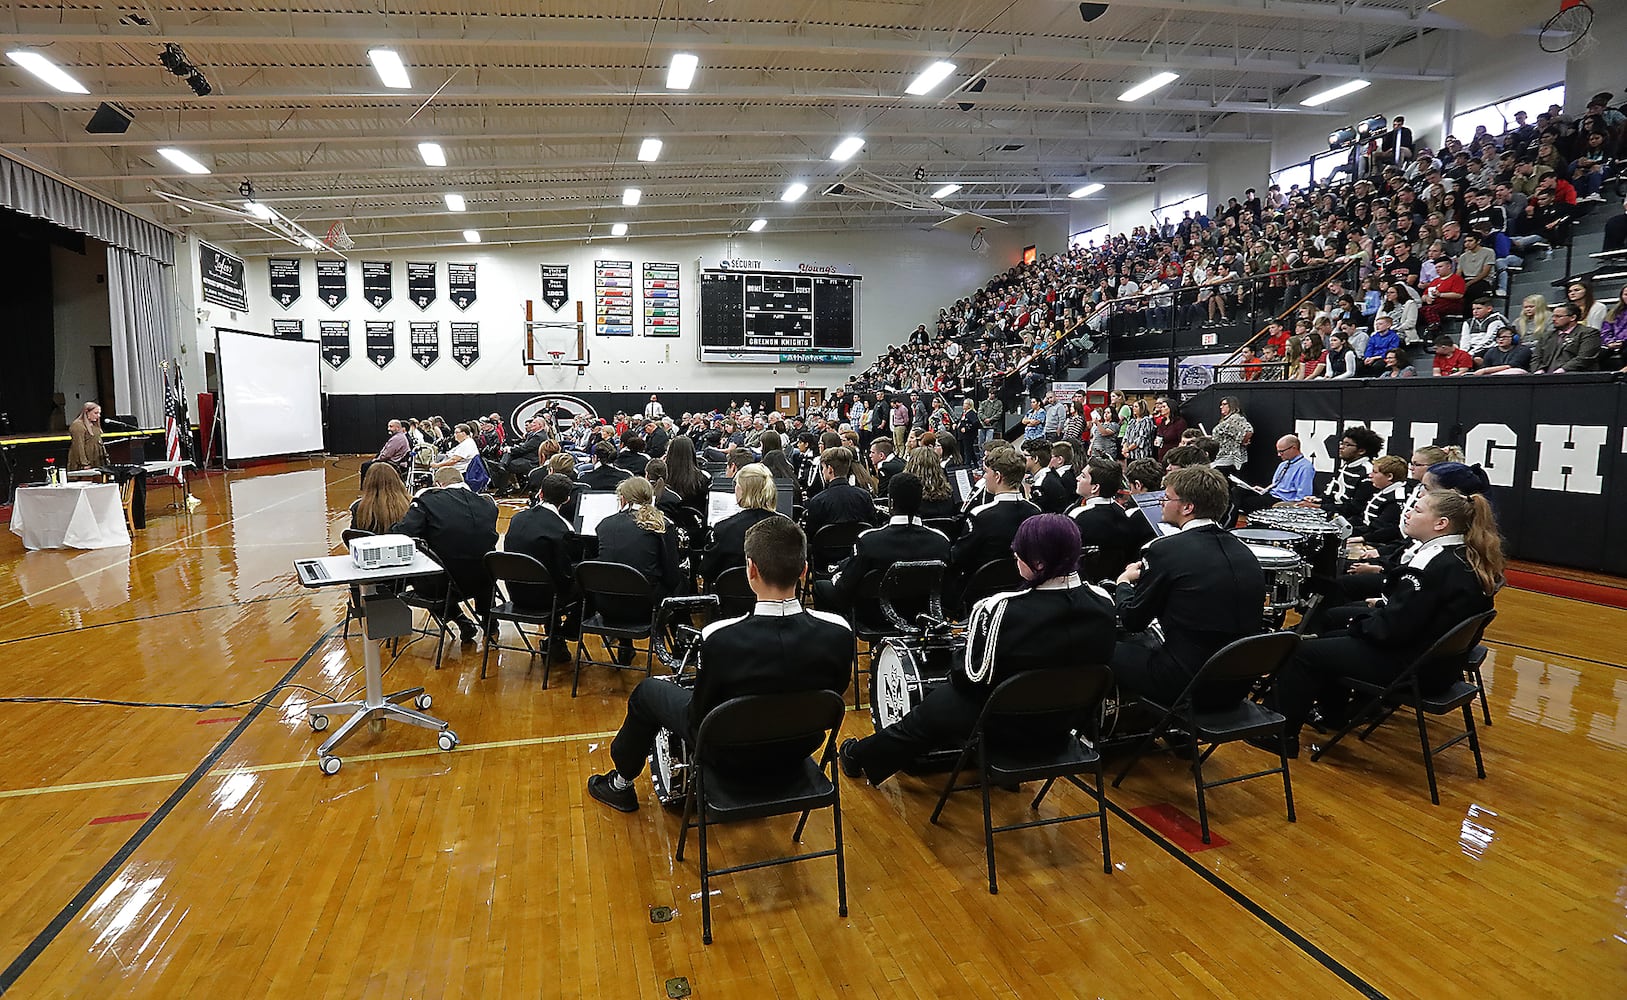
x: 991, y: 578
x: 832, y: 544
x: 1406, y: 692
x: 902, y: 592
x: 1017, y: 704
x: 1252, y: 658
x: 734, y: 593
x: 950, y: 526
x: 1473, y: 663
x: 618, y: 603
x: 533, y: 582
x: 737, y: 729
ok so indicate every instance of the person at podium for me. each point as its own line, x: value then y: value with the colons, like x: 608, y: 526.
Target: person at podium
x: 85, y: 450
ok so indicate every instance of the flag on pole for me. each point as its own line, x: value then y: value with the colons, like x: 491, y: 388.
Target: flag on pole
x: 172, y: 425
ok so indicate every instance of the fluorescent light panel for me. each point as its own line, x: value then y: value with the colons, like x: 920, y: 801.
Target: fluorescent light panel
x: 681, y: 71
x: 1085, y: 191
x: 619, y: 229
x: 471, y: 236
x: 1334, y: 93
x: 47, y: 70
x: 794, y: 192
x: 391, y: 70
x: 433, y: 154
x: 649, y: 150
x: 945, y: 191
x: 929, y: 78
x: 260, y: 210
x: 847, y: 148
x: 630, y: 196
x: 183, y: 160
x: 1144, y: 88
x: 758, y: 225
x: 454, y: 202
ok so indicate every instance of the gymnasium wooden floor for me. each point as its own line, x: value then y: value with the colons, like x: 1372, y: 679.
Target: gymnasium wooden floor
x: 156, y: 852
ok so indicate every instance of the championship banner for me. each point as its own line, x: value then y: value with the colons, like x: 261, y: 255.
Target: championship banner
x: 222, y: 278
x: 425, y: 340
x: 661, y: 309
x: 613, y: 298
x: 381, y: 341
x: 556, y: 285
x: 284, y: 280
x: 376, y: 284
x: 332, y: 287
x: 335, y: 341
x: 421, y: 283
x: 460, y: 285
x: 288, y: 329
x: 465, y: 342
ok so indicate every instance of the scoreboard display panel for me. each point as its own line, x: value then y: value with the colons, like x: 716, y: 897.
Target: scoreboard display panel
x: 778, y: 317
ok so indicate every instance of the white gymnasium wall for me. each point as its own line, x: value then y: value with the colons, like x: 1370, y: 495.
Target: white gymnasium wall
x: 909, y: 274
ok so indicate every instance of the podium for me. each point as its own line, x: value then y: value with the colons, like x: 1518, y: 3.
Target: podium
x: 383, y: 616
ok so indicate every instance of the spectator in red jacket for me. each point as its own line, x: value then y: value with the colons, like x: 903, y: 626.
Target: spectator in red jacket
x: 1443, y: 297
x: 1450, y: 359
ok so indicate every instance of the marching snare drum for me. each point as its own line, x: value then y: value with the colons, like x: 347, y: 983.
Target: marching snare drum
x: 1279, y: 538
x: 1284, y: 573
x: 1322, y: 547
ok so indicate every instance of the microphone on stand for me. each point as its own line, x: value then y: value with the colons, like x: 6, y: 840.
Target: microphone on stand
x: 111, y: 422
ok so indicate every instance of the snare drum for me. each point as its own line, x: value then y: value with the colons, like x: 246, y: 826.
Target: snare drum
x: 1279, y: 538
x: 1322, y: 547
x: 669, y: 758
x: 906, y: 671
x: 1284, y: 573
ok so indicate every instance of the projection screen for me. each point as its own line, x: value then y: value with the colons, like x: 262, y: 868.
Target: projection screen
x: 271, y: 394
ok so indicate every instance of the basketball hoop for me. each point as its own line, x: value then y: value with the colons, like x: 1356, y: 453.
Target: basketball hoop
x: 556, y: 355
x: 1567, y: 28
x: 338, y: 238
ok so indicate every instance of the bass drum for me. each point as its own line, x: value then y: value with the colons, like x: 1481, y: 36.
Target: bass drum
x: 669, y: 758
x: 905, y: 671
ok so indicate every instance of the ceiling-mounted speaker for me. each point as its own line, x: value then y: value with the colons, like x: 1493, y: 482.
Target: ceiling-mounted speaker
x: 109, y: 119
x: 1091, y: 11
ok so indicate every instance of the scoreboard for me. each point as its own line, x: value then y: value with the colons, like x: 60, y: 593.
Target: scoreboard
x: 779, y: 317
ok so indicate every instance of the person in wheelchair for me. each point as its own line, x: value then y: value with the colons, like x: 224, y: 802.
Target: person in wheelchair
x: 779, y: 648
x: 1056, y: 620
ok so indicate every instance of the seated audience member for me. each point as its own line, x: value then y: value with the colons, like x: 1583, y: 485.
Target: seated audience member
x: 463, y: 451
x: 902, y: 539
x: 543, y: 533
x: 840, y: 502
x: 1480, y: 332
x: 1340, y: 360
x: 737, y: 458
x: 1117, y: 534
x: 1395, y: 365
x: 1453, y: 574
x: 1054, y: 620
x: 685, y: 477
x: 1347, y: 492
x: 460, y: 526
x: 384, y: 500
x: 812, y: 650
x: 396, y: 452
x: 991, y: 525
x: 1380, y: 520
x: 1571, y: 347
x: 937, y: 494
x: 754, y: 491
x: 605, y: 475
x: 1381, y: 342
x: 1143, y: 476
x: 1504, y: 355
x: 1451, y: 359
x: 522, y: 457
x: 637, y: 536
x: 533, y: 479
x: 1613, y: 336
x: 1292, y: 482
x: 1201, y: 584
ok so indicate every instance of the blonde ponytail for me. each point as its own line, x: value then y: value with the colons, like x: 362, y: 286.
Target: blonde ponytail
x: 639, y: 496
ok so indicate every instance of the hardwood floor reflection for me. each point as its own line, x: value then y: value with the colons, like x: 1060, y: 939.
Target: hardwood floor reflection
x: 488, y: 871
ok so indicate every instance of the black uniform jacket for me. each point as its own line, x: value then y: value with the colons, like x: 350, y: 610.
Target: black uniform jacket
x: 461, y: 527
x: 1428, y: 596
x: 654, y: 554
x: 1203, y: 586
x: 544, y: 535
x: 903, y: 539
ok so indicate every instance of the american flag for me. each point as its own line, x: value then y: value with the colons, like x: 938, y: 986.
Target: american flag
x: 174, y: 422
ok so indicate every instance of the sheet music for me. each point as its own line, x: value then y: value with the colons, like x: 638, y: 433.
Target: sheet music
x: 721, y: 504
x: 963, y: 484
x: 1247, y: 486
x: 591, y: 508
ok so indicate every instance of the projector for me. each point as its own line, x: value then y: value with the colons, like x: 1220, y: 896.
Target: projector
x: 381, y: 551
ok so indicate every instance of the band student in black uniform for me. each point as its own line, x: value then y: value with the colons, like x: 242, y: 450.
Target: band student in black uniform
x: 990, y: 525
x: 903, y: 539
x: 840, y: 502
x: 779, y: 648
x: 1202, y: 584
x: 1056, y: 620
x: 637, y: 536
x: 1116, y: 534
x: 542, y: 533
x: 1451, y: 576
x: 1047, y: 490
x: 1380, y: 520
x: 1349, y: 490
x: 460, y: 525
x: 755, y: 492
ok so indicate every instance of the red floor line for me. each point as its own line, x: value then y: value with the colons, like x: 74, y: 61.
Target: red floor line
x: 282, y: 659
x: 125, y: 818
x: 210, y: 722
x: 1576, y: 590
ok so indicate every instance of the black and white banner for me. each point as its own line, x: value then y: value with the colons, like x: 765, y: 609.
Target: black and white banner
x: 556, y: 285
x: 465, y: 341
x: 288, y: 329
x: 381, y: 341
x: 284, y: 274
x: 335, y: 341
x: 421, y: 283
x: 460, y: 285
x: 222, y: 278
x: 376, y: 283
x: 332, y: 286
x: 425, y: 339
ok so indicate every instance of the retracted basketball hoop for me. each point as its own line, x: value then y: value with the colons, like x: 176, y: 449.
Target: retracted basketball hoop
x: 555, y: 338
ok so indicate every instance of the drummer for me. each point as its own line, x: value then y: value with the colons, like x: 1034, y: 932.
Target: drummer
x: 1347, y: 492
x: 779, y: 648
x: 1055, y: 620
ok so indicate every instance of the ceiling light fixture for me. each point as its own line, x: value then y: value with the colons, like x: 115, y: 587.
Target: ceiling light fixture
x: 391, y: 70
x: 260, y: 210
x: 619, y: 229
x: 310, y: 243
x: 1086, y: 191
x: 454, y: 202
x: 471, y: 236
x: 649, y: 150
x: 433, y: 154
x: 183, y: 160
x: 794, y: 192
x: 929, y: 78
x: 681, y: 72
x: 847, y: 149
x: 631, y: 196
x: 945, y: 191
x: 47, y: 70
x: 1146, y: 87
x: 1334, y: 93
x: 758, y: 225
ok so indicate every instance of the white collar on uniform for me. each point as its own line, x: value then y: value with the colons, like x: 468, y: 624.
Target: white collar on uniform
x: 903, y: 519
x: 1099, y: 502
x: 1061, y: 583
x: 778, y: 609
x: 1420, y: 557
x: 1197, y: 522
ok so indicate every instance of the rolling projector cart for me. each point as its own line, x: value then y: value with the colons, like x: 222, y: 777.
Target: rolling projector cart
x: 383, y: 616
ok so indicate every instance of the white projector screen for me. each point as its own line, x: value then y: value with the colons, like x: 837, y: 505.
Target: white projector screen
x: 271, y: 394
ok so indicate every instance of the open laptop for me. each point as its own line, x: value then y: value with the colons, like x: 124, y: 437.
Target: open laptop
x: 1151, y: 506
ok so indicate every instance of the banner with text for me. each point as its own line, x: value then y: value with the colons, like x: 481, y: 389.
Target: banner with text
x: 661, y: 307
x: 426, y: 342
x: 335, y: 341
x: 466, y: 343
x: 222, y: 278
x: 556, y: 285
x: 381, y: 341
x: 376, y: 283
x: 284, y: 275
x: 421, y: 283
x: 332, y: 286
x: 460, y: 285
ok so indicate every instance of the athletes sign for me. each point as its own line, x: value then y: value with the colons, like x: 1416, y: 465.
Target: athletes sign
x: 222, y: 276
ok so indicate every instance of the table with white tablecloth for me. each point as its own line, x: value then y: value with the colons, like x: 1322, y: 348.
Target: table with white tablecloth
x: 75, y: 516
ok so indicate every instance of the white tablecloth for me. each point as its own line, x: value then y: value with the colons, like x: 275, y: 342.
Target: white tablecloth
x: 78, y: 516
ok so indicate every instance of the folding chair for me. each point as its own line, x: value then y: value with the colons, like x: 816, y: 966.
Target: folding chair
x: 991, y: 578
x: 1253, y: 658
x: 531, y: 577
x: 735, y: 730
x: 1028, y: 697
x: 830, y: 545
x: 631, y: 599
x: 734, y: 592
x: 1473, y: 663
x: 439, y: 608
x: 1406, y: 692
